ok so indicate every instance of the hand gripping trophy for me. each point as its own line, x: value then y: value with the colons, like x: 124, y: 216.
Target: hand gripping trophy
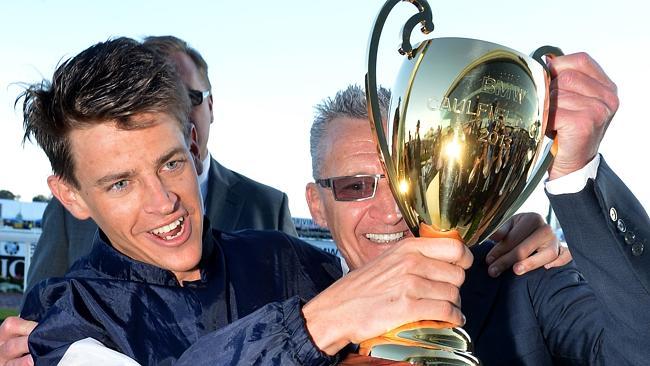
x: 463, y: 147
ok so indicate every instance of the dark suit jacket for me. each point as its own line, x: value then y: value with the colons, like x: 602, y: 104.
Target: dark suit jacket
x: 557, y: 316
x: 234, y: 202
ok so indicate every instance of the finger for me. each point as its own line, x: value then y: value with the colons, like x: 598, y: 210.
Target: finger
x: 521, y: 226
x: 502, y: 231
x: 440, y: 310
x: 543, y: 236
x: 14, y: 348
x: 580, y: 61
x: 400, y: 268
x: 577, y: 82
x: 26, y: 360
x: 15, y: 326
x: 564, y: 258
x: 542, y: 257
x: 442, y: 249
x: 439, y: 271
x: 419, y: 288
x: 498, y: 250
x: 506, y: 261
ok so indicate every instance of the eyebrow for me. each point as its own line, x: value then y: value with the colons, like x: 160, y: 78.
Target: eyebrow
x: 169, y: 154
x: 130, y: 173
x: 114, y: 178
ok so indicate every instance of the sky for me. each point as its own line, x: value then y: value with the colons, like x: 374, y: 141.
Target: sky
x: 272, y: 61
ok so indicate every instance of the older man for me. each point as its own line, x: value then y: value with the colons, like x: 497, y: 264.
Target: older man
x: 543, y: 317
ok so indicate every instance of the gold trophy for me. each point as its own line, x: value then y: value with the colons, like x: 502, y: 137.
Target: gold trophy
x: 463, y: 147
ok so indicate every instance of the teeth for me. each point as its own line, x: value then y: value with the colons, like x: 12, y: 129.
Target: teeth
x: 167, y: 228
x: 170, y: 237
x: 385, y: 238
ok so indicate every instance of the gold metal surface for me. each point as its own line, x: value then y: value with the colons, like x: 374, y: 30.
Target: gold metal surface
x: 465, y: 127
x: 463, y: 147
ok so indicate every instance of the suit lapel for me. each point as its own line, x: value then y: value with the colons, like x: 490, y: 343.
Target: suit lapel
x: 478, y: 293
x: 224, y: 203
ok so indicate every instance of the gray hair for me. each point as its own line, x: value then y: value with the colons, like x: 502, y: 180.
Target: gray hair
x: 347, y: 103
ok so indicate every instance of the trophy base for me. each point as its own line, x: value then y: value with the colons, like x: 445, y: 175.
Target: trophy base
x: 423, y: 343
x: 360, y: 360
x: 354, y: 359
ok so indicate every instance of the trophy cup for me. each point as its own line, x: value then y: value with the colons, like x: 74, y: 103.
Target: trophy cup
x: 463, y: 147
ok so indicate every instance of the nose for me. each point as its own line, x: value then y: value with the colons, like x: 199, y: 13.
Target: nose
x: 383, y: 207
x: 158, y: 199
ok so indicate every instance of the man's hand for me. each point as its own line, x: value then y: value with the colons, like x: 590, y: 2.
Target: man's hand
x: 417, y: 279
x: 13, y: 341
x: 525, y: 242
x: 583, y: 102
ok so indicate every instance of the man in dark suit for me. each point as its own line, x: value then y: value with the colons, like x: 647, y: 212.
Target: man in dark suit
x: 545, y: 316
x: 232, y: 201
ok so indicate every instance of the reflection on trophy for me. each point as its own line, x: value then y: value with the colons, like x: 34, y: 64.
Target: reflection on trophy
x: 463, y: 147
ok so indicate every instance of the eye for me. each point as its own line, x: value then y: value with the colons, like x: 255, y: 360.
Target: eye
x: 354, y: 186
x: 119, y: 186
x: 174, y: 165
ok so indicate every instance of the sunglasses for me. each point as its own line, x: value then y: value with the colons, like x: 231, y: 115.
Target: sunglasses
x: 353, y: 187
x: 197, y: 97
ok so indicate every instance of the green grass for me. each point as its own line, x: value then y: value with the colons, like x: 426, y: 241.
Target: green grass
x: 5, y: 312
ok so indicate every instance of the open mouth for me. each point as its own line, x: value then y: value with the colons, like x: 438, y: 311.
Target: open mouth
x: 170, y: 231
x: 385, y: 238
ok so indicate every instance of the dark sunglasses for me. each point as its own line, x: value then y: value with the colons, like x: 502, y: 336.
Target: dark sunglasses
x: 353, y: 187
x: 197, y: 97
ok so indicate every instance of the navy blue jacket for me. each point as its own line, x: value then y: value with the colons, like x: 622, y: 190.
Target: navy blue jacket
x: 141, y: 310
x: 597, y: 316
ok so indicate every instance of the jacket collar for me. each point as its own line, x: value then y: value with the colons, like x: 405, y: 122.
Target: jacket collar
x: 107, y: 260
x: 224, y: 202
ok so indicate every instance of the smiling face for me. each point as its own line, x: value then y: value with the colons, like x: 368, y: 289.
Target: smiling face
x: 364, y: 229
x: 140, y: 187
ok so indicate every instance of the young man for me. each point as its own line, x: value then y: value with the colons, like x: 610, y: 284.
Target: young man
x: 114, y: 124
x: 225, y: 192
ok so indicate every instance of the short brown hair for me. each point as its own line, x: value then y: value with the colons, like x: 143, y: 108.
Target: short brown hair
x: 110, y: 81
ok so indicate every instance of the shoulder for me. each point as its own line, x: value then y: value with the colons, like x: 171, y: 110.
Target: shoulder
x: 245, y: 184
x: 280, y: 252
x: 261, y: 243
x: 53, y: 293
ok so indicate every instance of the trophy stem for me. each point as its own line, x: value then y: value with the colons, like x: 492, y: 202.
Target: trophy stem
x: 426, y: 342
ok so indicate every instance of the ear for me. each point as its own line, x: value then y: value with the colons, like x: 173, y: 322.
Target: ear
x: 315, y: 203
x: 210, y: 107
x: 194, y: 150
x: 69, y: 197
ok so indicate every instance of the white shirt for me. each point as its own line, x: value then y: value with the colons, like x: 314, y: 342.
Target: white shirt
x: 574, y: 182
x: 203, y: 177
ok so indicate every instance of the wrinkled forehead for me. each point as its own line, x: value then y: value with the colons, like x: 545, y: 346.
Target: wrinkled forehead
x: 349, y: 148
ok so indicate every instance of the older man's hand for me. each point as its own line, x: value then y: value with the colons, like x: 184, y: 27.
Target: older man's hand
x: 13, y: 341
x: 417, y: 279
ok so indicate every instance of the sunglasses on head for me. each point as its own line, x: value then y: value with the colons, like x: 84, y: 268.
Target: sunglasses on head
x: 197, y: 97
x: 352, y: 187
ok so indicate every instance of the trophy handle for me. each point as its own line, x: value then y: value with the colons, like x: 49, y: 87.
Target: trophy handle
x: 548, y: 51
x: 423, y: 17
x: 549, y: 150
